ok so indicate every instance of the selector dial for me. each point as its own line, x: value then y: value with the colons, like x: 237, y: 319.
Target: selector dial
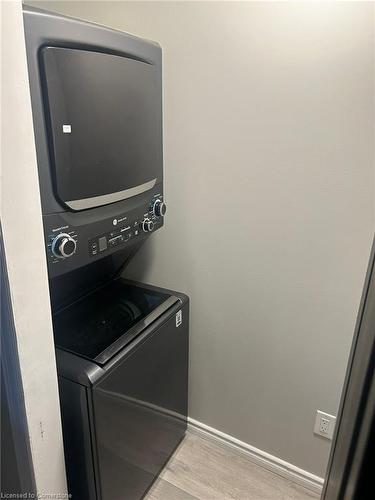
x: 147, y: 225
x: 159, y: 208
x: 63, y: 246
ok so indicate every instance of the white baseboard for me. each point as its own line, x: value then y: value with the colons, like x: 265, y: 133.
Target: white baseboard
x: 259, y: 457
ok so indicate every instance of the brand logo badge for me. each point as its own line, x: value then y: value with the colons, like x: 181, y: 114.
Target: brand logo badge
x: 114, y: 222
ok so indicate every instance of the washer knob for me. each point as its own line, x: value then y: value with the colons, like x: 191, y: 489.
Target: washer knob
x: 63, y: 246
x: 147, y: 225
x: 159, y: 208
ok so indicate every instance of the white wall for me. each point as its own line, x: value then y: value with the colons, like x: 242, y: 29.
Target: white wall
x: 269, y: 168
x: 25, y: 257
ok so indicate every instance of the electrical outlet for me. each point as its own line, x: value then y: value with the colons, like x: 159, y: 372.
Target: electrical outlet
x: 324, y: 424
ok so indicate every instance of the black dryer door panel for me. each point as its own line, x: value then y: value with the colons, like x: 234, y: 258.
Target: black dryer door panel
x: 103, y: 115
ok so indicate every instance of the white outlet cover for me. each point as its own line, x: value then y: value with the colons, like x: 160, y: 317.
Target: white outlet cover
x: 318, y: 424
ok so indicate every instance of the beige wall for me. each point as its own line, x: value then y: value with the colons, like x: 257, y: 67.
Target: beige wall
x: 269, y: 168
x: 21, y: 221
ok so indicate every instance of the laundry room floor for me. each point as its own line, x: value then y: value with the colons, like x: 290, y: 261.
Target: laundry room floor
x: 204, y: 470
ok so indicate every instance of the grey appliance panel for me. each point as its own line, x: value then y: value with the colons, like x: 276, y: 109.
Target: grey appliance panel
x: 103, y: 125
x: 132, y: 410
x: 78, y: 440
x: 140, y: 411
x: 85, y: 372
x: 46, y: 29
x: 100, y: 232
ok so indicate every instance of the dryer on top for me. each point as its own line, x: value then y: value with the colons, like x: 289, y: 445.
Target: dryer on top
x: 97, y: 110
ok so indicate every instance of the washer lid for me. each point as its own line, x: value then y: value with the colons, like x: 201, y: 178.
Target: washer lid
x: 102, y: 323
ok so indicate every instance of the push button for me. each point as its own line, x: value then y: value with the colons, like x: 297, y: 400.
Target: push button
x: 102, y: 243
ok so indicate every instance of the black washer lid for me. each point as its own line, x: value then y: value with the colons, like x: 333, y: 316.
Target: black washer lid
x: 103, y: 322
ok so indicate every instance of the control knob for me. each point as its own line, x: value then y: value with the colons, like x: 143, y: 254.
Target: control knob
x: 147, y: 225
x: 159, y: 208
x: 63, y: 246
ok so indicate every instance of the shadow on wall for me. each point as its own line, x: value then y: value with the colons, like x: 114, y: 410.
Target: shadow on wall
x: 140, y: 265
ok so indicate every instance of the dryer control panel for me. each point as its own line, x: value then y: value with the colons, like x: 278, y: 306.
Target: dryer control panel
x: 117, y: 237
x: 73, y: 240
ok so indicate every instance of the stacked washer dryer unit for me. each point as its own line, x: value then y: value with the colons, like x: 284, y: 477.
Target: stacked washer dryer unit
x: 121, y: 347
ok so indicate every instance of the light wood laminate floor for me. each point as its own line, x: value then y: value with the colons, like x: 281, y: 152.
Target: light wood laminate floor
x: 202, y: 469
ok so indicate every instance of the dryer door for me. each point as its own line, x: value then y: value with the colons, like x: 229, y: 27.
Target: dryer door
x: 140, y: 410
x: 104, y: 124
